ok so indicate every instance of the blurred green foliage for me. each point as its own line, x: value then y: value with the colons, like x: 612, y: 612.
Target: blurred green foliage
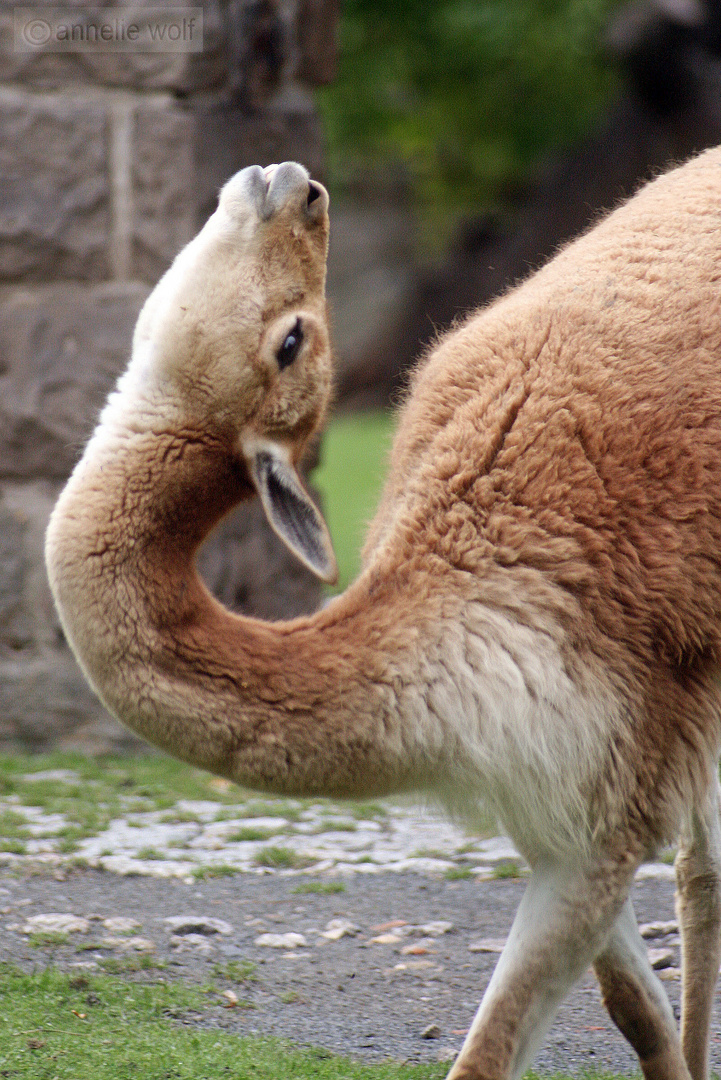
x: 350, y: 478
x: 467, y: 94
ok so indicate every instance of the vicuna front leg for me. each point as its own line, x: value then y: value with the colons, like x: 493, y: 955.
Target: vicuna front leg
x: 698, y: 903
x: 562, y: 923
x: 637, y: 1002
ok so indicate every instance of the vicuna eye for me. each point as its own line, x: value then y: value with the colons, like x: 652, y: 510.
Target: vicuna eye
x: 289, y: 349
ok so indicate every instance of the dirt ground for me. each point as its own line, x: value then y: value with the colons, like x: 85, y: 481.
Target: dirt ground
x: 357, y: 996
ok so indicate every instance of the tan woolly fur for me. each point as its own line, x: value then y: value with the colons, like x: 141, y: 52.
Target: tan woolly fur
x: 537, y: 625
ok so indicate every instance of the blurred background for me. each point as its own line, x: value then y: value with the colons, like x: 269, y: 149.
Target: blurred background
x: 462, y: 142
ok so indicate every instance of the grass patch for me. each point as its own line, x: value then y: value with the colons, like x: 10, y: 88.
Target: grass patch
x: 350, y: 477
x: 250, y: 834
x: 506, y: 870
x: 96, y: 791
x: 291, y: 811
x: 61, y: 1028
x: 236, y: 971
x: 457, y: 873
x: 328, y: 887
x: 337, y: 826
x: 130, y: 964
x: 68, y: 839
x: 368, y: 811
x: 280, y: 858
x: 13, y: 825
x: 43, y: 939
x: 150, y: 854
x: 180, y: 817
x: 429, y: 853
x: 13, y: 847
x: 200, y: 873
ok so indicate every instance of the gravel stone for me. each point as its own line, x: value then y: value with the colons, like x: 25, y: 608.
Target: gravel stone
x: 661, y: 958
x: 338, y: 928
x: 488, y: 945
x: 281, y: 941
x: 658, y: 929
x: 197, y: 924
x: 56, y: 923
x: 120, y: 924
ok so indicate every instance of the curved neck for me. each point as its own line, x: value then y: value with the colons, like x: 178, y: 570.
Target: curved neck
x: 305, y: 707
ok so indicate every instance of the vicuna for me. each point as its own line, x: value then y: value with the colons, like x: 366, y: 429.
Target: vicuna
x: 538, y: 621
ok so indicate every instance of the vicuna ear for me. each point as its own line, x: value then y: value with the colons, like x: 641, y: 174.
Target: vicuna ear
x: 290, y: 511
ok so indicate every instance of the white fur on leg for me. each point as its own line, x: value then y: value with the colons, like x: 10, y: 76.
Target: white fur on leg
x: 562, y: 923
x: 698, y: 902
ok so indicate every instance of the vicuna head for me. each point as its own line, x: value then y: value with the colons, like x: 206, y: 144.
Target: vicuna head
x: 233, y: 342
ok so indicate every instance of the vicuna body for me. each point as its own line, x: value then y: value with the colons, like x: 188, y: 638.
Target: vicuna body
x: 538, y: 621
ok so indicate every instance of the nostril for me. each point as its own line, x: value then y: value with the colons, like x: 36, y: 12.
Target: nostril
x: 313, y: 193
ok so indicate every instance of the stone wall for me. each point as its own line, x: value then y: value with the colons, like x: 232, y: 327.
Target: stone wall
x: 109, y: 163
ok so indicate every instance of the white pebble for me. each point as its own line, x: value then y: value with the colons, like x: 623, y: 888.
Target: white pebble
x: 56, y: 923
x: 282, y: 941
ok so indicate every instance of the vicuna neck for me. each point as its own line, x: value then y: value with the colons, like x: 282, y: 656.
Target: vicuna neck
x: 305, y: 707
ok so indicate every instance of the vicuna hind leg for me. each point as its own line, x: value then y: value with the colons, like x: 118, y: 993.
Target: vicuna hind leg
x: 698, y: 903
x: 637, y: 1002
x: 562, y: 923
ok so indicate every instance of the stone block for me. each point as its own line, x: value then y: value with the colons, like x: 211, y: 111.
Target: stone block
x: 250, y: 570
x: 55, y: 203
x: 28, y: 619
x: 61, y: 350
x: 44, y: 699
x: 163, y: 196
x: 14, y: 631
x: 46, y: 704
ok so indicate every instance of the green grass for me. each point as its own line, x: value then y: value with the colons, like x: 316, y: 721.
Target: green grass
x: 428, y: 853
x: 457, y: 874
x: 110, y: 787
x: 337, y: 826
x: 328, y: 887
x: 12, y: 847
x: 280, y: 858
x: 127, y: 965
x: 250, y: 834
x: 200, y: 873
x: 350, y: 477
x: 103, y: 789
x: 13, y: 825
x: 236, y: 971
x: 368, y: 811
x: 151, y: 854
x: 57, y: 1027
x: 505, y: 870
x: 43, y: 939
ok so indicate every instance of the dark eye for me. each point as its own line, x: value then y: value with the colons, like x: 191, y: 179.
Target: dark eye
x: 291, y: 346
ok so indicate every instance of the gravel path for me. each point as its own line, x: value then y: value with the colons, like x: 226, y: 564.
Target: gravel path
x: 393, y: 965
x: 345, y: 991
